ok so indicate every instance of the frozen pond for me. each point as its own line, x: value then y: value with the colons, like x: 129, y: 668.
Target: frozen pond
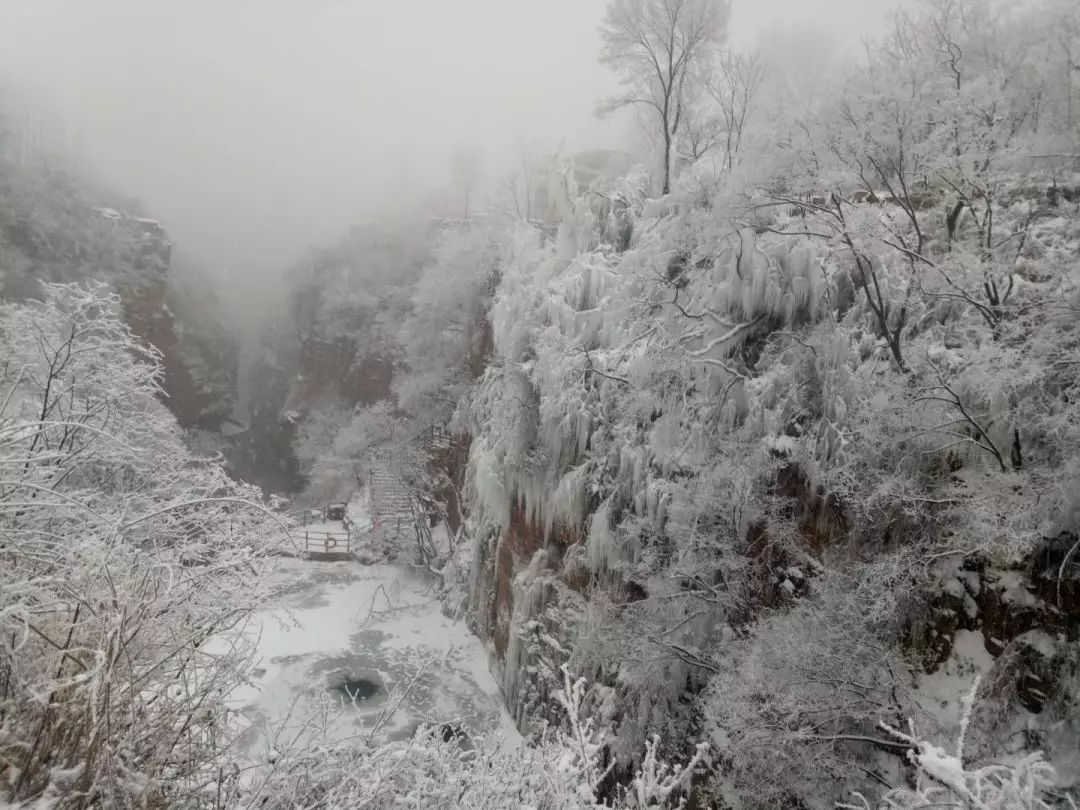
x: 361, y: 650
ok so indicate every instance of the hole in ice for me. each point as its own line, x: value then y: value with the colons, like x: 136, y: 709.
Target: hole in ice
x: 354, y: 688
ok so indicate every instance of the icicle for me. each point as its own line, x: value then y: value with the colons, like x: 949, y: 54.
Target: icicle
x: 585, y: 288
x: 800, y: 290
x: 639, y: 469
x: 662, y: 507
x: 567, y: 505
x: 531, y: 591
x: 584, y: 428
x: 601, y: 546
x: 491, y: 492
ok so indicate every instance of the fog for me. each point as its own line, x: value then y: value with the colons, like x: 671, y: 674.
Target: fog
x: 256, y: 128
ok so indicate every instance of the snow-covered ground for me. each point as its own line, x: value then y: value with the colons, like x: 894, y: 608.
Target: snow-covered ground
x: 352, y: 650
x: 942, y: 693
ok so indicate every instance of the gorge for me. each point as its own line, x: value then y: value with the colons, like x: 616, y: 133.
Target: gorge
x: 736, y: 467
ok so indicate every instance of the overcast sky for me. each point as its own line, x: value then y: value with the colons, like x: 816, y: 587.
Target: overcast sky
x: 254, y: 128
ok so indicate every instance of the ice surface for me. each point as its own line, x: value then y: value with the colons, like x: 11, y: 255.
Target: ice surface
x: 340, y: 623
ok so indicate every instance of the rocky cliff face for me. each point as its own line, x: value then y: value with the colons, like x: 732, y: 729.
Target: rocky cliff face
x: 1002, y: 604
x: 526, y: 599
x: 721, y: 538
x: 198, y: 356
x: 54, y: 228
x: 529, y: 596
x: 263, y: 454
x: 1028, y: 617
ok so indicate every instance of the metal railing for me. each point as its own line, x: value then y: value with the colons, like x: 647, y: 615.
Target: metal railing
x: 303, y: 516
x: 326, y: 542
x: 434, y: 435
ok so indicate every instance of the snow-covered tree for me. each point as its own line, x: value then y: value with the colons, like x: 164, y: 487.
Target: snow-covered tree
x: 733, y: 86
x: 446, y: 339
x: 124, y: 557
x: 660, y: 49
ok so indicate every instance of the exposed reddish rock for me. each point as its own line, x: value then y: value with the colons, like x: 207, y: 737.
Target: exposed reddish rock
x: 521, y: 539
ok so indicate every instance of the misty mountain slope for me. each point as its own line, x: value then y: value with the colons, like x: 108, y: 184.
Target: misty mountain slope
x: 800, y: 443
x: 346, y: 304
x: 705, y: 475
x: 57, y: 226
x: 764, y: 472
x: 390, y: 298
x: 693, y: 460
x: 751, y: 458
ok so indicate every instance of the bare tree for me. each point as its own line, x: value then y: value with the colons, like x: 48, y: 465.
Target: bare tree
x: 733, y: 86
x: 466, y: 166
x: 701, y: 133
x: 660, y: 49
x: 518, y: 187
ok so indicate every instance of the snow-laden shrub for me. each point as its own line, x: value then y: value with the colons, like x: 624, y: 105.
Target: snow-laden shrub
x: 944, y: 780
x: 122, y: 556
x: 797, y: 702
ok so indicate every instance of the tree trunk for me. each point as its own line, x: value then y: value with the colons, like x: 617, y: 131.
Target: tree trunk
x: 667, y: 162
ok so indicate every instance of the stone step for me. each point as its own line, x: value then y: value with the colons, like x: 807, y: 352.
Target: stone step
x: 393, y: 503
